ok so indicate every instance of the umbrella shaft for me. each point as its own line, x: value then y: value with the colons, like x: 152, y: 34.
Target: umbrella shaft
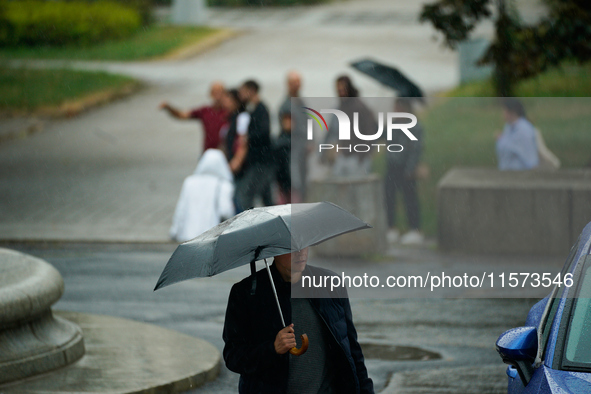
x: 275, y: 292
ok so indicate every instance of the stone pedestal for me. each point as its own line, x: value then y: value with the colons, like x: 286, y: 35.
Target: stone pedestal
x: 32, y: 340
x: 364, y: 198
x: 533, y: 212
x: 189, y: 12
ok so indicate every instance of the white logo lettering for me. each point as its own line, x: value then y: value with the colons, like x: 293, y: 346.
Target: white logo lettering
x: 404, y: 127
x: 344, y: 124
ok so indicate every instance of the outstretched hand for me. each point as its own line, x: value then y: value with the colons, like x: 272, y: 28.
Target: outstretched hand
x: 285, y: 340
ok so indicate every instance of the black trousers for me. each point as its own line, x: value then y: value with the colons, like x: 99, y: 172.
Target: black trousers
x: 394, y: 182
x: 255, y: 181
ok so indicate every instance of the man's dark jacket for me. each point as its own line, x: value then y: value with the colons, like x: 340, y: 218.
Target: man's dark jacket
x: 253, y: 321
x: 260, y: 149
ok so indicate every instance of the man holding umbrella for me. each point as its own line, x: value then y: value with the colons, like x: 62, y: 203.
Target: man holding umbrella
x: 258, y: 347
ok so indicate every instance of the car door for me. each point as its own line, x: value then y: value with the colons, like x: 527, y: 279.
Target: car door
x: 544, y: 325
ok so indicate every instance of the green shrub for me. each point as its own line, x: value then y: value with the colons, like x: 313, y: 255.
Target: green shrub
x: 4, y: 23
x: 57, y: 23
x: 258, y: 3
x: 144, y: 7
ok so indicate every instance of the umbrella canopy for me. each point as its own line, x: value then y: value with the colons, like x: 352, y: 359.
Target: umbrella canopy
x: 257, y: 234
x: 390, y: 77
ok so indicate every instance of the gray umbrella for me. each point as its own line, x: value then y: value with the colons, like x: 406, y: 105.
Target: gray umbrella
x: 257, y: 234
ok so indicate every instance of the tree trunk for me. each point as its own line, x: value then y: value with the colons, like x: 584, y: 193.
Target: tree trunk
x: 503, y: 75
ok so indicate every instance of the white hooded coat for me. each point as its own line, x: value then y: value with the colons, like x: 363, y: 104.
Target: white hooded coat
x: 206, y: 197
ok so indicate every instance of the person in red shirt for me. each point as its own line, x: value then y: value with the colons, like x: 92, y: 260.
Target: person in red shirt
x: 213, y: 116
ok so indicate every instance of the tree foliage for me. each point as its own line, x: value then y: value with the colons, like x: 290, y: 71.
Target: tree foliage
x: 456, y: 18
x: 518, y: 51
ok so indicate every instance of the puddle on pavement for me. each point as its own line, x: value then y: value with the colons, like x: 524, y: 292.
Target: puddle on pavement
x: 397, y: 353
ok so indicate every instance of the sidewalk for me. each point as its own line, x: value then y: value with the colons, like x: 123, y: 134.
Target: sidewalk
x: 114, y: 173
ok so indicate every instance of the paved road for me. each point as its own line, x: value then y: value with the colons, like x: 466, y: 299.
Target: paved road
x: 114, y: 174
x: 117, y: 279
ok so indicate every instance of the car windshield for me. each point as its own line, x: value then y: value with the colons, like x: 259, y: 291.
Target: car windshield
x: 578, y: 345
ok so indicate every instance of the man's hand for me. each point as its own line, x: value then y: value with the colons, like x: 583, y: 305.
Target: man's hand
x: 174, y: 112
x: 285, y: 340
x: 234, y: 166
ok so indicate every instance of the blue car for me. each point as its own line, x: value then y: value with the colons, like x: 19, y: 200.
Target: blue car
x: 552, y: 353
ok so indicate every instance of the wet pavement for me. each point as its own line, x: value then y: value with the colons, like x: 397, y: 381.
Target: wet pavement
x: 413, y: 344
x: 114, y: 173
x: 124, y: 356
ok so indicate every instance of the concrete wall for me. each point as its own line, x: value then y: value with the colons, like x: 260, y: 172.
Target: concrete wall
x: 189, y: 12
x: 489, y: 211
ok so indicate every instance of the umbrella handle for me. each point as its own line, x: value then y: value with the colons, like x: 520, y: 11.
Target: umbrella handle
x: 298, y: 352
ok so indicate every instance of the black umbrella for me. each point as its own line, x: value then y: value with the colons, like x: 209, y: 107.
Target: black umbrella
x: 390, y: 77
x: 257, y: 234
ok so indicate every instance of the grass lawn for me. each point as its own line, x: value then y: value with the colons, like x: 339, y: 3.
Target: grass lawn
x: 26, y: 90
x: 154, y: 41
x: 459, y: 130
x: 569, y: 80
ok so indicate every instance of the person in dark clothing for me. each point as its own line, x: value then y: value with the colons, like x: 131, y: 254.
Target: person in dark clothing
x: 233, y: 134
x: 254, y: 172
x: 257, y: 345
x: 401, y: 176
x: 350, y: 163
x: 300, y: 146
x: 283, y: 160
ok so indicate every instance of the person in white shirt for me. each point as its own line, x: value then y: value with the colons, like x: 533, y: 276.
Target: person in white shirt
x: 206, y: 197
x: 234, y: 133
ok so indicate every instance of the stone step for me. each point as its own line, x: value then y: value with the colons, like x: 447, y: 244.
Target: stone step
x: 126, y: 356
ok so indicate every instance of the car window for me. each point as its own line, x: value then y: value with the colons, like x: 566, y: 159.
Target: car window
x: 546, y: 322
x: 578, y: 342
